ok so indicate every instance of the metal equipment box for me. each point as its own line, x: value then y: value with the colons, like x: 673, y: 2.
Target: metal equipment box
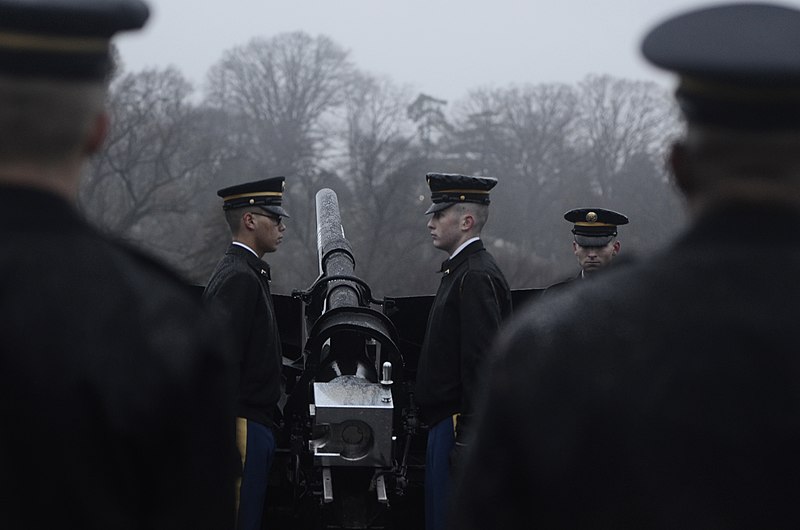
x: 353, y: 419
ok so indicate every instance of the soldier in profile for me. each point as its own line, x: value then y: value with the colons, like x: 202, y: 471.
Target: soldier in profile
x: 115, y: 392
x: 239, y: 290
x: 472, y: 301
x: 666, y: 395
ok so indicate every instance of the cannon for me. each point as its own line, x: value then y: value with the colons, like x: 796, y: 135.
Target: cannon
x: 349, y: 448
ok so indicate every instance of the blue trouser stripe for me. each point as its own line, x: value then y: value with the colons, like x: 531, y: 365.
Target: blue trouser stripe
x: 253, y: 493
x: 441, y: 439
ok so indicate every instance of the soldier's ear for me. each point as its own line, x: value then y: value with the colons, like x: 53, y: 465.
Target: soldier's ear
x: 248, y: 221
x: 467, y: 222
x: 682, y: 168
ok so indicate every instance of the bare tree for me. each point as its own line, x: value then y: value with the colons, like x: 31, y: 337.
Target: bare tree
x: 521, y: 131
x: 281, y: 94
x: 621, y: 119
x: 156, y: 162
x: 554, y: 147
x: 383, y: 171
x: 428, y: 113
x: 526, y: 138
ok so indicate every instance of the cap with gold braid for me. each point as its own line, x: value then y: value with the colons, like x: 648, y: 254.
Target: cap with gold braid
x: 448, y: 189
x: 63, y: 39
x: 738, y: 64
x: 266, y: 194
x: 594, y: 227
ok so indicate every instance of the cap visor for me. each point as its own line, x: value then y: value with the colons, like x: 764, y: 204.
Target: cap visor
x: 593, y: 241
x: 438, y: 207
x: 275, y: 210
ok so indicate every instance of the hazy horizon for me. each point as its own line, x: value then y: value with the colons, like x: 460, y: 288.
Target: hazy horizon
x: 443, y: 48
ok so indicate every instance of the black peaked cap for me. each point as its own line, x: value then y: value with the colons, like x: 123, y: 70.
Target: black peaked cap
x: 266, y: 194
x: 448, y: 189
x: 594, y: 227
x: 739, y: 64
x: 64, y: 39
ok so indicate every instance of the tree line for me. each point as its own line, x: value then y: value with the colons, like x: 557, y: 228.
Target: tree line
x: 296, y: 105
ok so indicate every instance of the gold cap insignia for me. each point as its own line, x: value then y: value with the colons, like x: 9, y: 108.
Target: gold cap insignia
x: 591, y: 217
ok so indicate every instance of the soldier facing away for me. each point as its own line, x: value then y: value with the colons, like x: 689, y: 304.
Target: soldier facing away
x: 666, y: 395
x: 115, y: 394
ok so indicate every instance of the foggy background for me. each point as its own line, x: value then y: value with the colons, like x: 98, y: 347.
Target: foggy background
x: 365, y: 98
x: 440, y: 47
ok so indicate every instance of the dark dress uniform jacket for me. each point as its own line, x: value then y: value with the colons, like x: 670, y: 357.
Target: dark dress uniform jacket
x: 664, y: 395
x: 559, y: 286
x: 239, y: 288
x: 116, y: 405
x: 472, y: 300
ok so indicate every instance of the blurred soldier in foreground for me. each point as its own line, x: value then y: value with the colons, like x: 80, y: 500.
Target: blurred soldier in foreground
x: 239, y: 289
x: 472, y: 300
x: 115, y: 398
x: 666, y: 395
x: 594, y: 242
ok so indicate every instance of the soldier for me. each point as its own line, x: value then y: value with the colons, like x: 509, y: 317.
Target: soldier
x: 115, y: 396
x: 239, y: 290
x: 666, y: 396
x: 472, y: 300
x: 594, y: 241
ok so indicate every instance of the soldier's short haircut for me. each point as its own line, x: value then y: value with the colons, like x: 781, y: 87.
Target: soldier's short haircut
x: 46, y: 121
x: 234, y: 217
x: 479, y: 212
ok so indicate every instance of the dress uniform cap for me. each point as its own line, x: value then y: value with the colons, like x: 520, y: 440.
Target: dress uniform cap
x: 448, y: 189
x: 739, y: 64
x: 594, y: 227
x: 266, y: 194
x: 63, y: 39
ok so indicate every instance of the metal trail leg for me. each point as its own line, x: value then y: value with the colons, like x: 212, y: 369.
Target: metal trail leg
x: 380, y: 487
x: 327, y: 485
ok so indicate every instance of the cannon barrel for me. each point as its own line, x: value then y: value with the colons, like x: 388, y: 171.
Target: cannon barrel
x: 350, y: 401
x: 335, y: 255
x: 343, y: 324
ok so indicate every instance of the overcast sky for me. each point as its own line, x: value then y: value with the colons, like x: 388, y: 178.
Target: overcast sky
x: 440, y: 47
